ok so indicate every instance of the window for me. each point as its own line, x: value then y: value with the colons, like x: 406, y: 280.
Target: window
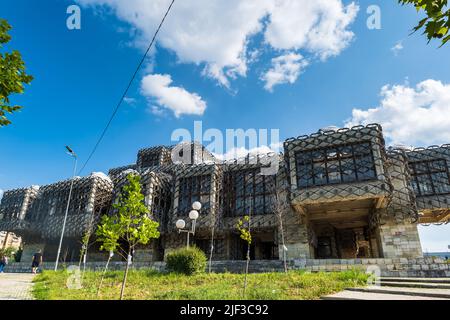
x: 150, y: 159
x: 197, y: 188
x: 430, y: 177
x: 334, y: 165
x: 248, y: 191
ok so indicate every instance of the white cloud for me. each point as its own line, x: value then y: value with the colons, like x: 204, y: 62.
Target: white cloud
x: 241, y: 152
x: 397, y: 48
x: 319, y: 26
x: 158, y: 87
x: 1, y: 194
x: 156, y: 110
x: 216, y: 34
x: 285, y: 69
x: 130, y: 101
x: 411, y: 116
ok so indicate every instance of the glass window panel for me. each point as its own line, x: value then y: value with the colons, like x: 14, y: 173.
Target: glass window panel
x: 249, y: 183
x: 332, y: 154
x: 425, y: 185
x: 259, y: 184
x: 248, y: 205
x: 318, y: 156
x: 334, y: 174
x: 305, y: 175
x: 365, y: 169
x: 441, y: 182
x: 361, y: 149
x: 304, y: 157
x: 239, y: 203
x: 269, y: 184
x: 320, y: 176
x: 420, y: 167
x: 438, y: 165
x: 346, y: 152
x: 415, y: 186
x: 348, y: 170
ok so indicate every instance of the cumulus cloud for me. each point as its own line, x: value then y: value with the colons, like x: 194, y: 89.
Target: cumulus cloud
x: 320, y: 26
x: 416, y: 116
x: 285, y: 69
x: 241, y: 152
x: 397, y: 48
x: 216, y: 34
x: 1, y: 194
x: 158, y: 87
x: 129, y: 101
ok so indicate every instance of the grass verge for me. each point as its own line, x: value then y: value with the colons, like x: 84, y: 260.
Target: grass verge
x: 151, y: 285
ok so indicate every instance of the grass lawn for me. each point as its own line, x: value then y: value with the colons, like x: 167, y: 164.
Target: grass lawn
x: 151, y: 285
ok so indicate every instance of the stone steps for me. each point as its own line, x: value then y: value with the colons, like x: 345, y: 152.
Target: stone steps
x: 415, y: 285
x: 391, y: 288
x: 416, y: 292
x: 357, y: 295
x: 416, y: 280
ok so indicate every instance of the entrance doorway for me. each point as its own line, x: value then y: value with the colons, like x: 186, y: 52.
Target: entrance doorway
x: 337, y: 243
x: 263, y: 247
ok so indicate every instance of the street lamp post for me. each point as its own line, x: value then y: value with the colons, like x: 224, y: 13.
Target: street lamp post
x: 193, y: 215
x: 72, y: 154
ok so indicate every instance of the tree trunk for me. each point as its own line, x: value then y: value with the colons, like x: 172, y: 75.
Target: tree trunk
x: 284, y: 246
x: 212, y: 249
x: 6, y: 240
x: 246, y: 268
x: 84, y: 264
x: 125, y: 275
x: 103, y: 275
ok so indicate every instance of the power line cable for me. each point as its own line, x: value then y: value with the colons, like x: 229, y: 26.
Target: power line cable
x: 126, y: 90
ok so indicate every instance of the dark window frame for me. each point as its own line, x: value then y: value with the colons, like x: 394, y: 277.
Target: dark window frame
x: 427, y: 171
x: 348, y: 160
x: 189, y: 195
x: 246, y: 187
x: 152, y: 159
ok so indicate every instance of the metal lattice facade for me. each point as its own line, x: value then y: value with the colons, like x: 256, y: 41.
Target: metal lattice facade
x: 336, y: 194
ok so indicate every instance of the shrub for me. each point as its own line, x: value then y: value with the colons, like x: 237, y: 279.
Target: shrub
x: 188, y: 261
x: 8, y: 252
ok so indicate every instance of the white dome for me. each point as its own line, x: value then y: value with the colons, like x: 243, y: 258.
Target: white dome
x: 101, y: 175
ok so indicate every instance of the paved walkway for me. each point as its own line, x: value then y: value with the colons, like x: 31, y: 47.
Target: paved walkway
x: 16, y: 286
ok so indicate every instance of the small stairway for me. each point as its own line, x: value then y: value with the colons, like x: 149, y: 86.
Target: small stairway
x: 398, y: 289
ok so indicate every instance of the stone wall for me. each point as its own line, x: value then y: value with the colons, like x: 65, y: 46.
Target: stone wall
x: 400, y: 240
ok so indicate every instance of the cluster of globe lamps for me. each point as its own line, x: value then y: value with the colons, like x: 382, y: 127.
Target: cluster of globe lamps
x: 193, y: 215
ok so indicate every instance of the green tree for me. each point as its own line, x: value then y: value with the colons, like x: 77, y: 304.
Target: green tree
x: 244, y: 228
x: 130, y: 223
x: 108, y: 234
x: 12, y: 75
x: 436, y: 24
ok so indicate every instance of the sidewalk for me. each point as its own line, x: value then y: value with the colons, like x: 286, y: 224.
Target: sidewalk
x: 16, y: 286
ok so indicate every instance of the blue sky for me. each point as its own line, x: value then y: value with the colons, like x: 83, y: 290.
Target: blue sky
x: 80, y: 75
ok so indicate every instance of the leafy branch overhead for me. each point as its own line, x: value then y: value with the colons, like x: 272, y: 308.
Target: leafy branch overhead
x: 436, y: 24
x: 12, y: 75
